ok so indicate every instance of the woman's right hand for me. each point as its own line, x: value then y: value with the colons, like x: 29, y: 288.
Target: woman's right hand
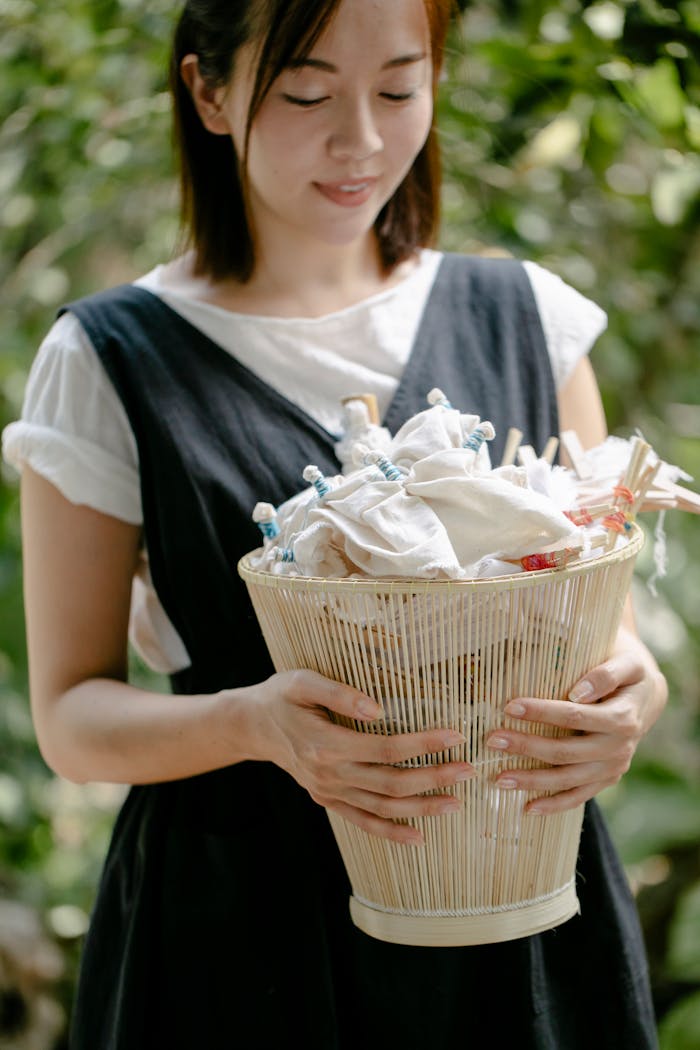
x: 352, y: 773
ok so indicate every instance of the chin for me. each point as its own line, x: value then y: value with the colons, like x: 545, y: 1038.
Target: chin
x: 343, y: 234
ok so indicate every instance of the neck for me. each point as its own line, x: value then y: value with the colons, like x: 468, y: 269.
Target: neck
x: 312, y: 280
x: 307, y: 283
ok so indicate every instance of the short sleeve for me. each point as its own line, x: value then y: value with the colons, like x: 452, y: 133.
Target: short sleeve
x: 74, y: 430
x: 571, y: 322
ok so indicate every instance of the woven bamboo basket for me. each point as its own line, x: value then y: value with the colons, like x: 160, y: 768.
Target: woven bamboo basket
x: 451, y: 654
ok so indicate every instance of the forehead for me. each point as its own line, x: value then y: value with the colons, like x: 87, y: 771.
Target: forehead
x: 374, y: 31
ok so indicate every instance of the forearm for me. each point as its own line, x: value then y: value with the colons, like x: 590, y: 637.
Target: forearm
x: 106, y: 730
x: 628, y: 640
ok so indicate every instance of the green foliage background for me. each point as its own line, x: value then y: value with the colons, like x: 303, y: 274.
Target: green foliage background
x: 571, y: 134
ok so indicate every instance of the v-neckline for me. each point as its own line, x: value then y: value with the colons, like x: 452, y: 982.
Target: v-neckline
x: 290, y: 406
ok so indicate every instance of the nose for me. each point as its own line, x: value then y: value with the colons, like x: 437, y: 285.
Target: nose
x: 355, y: 136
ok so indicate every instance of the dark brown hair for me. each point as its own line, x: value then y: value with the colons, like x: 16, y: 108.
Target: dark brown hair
x: 213, y: 210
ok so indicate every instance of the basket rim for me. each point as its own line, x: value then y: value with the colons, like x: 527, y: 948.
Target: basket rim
x: 412, y: 585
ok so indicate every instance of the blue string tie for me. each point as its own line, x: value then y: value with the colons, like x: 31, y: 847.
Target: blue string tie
x: 482, y: 432
x: 265, y: 517
x: 314, y: 477
x: 436, y: 397
x: 284, y: 554
x: 367, y: 457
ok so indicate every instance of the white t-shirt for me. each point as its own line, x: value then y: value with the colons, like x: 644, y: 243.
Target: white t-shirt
x: 74, y: 430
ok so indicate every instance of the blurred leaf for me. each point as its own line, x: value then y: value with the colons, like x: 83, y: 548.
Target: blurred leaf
x: 659, y: 89
x: 648, y: 817
x: 684, y: 942
x: 680, y: 1029
x: 675, y: 190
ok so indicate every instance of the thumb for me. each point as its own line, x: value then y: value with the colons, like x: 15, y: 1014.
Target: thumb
x: 621, y: 669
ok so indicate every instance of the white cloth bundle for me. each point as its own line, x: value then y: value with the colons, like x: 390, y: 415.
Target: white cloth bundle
x: 492, y: 515
x: 445, y: 514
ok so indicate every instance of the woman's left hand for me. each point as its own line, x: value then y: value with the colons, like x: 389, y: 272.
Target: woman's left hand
x: 616, y: 704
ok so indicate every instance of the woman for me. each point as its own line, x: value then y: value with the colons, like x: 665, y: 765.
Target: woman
x: 310, y: 193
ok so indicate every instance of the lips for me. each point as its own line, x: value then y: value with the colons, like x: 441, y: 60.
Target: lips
x: 348, y: 193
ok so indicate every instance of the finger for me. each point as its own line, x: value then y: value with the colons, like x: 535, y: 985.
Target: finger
x: 334, y: 755
x: 565, y: 800
x: 404, y: 808
x: 556, y: 780
x: 621, y: 669
x: 313, y: 690
x: 400, y: 747
x: 386, y: 829
x: 557, y: 751
x: 610, y: 716
x: 402, y: 783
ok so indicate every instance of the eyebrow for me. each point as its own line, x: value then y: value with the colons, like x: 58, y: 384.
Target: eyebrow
x: 328, y: 67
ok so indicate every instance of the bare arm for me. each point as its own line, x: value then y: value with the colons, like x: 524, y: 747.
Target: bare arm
x: 78, y: 569
x: 92, y: 725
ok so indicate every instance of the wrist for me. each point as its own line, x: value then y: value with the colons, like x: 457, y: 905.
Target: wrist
x: 627, y: 639
x: 239, y: 718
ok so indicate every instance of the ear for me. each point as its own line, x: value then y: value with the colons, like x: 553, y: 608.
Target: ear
x: 207, y: 100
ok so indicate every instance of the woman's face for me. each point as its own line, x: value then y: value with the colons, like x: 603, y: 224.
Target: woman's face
x: 336, y: 136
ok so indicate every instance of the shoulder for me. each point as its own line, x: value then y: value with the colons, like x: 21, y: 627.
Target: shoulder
x: 73, y: 429
x: 505, y: 286
x: 109, y: 301
x: 496, y: 284
x: 554, y: 295
x: 571, y: 321
x: 498, y: 270
x: 112, y: 317
x: 65, y: 349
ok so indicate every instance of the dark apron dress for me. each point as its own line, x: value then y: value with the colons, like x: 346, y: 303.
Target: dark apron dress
x: 221, y: 921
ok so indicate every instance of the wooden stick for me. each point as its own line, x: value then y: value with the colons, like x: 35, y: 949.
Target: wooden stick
x: 644, y: 484
x: 370, y: 401
x: 630, y: 479
x: 683, y: 498
x: 550, y: 450
x: 575, y: 451
x: 526, y: 454
x: 640, y: 450
x: 514, y: 438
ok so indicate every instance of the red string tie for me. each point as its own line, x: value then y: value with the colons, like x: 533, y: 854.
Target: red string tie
x: 623, y: 493
x: 547, y: 560
x: 617, y: 522
x: 581, y: 516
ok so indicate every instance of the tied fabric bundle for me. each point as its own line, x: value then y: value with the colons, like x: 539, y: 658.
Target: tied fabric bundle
x: 425, y: 505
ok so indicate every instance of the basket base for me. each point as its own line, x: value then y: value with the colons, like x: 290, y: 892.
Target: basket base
x: 432, y: 931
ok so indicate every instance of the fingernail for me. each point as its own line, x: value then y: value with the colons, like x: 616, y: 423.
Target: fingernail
x: 515, y: 708
x: 507, y: 782
x: 451, y: 739
x: 452, y: 806
x: 498, y: 742
x: 369, y: 709
x: 465, y: 774
x: 580, y: 691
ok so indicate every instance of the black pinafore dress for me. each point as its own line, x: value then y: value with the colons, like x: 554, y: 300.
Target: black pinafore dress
x: 221, y: 920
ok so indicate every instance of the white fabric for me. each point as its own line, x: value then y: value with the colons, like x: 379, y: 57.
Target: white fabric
x: 74, y: 429
x: 440, y: 519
